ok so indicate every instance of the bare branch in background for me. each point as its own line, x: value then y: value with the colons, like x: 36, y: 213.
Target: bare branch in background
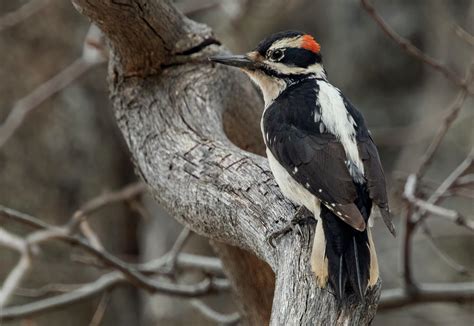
x: 221, y: 319
x: 181, y: 240
x: 14, y: 278
x: 99, y: 313
x: 48, y: 289
x: 464, y: 35
x: 425, y: 293
x: 417, y: 209
x: 25, y: 11
x: 428, y: 207
x: 461, y: 269
x: 452, y: 180
x: 451, y: 115
x: 92, y: 56
x: 125, y: 194
x: 412, y: 50
x: 90, y: 290
x: 124, y: 273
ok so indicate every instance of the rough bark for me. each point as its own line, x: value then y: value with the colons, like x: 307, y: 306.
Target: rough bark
x: 169, y: 103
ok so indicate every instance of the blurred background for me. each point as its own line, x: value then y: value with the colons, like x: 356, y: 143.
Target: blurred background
x: 68, y: 149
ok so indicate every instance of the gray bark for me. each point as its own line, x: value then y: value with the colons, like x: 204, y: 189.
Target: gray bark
x: 169, y: 104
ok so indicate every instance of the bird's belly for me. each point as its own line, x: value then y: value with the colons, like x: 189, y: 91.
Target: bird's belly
x: 291, y: 188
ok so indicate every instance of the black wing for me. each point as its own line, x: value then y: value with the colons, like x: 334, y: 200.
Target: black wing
x: 374, y: 175
x: 317, y: 162
x: 375, y: 178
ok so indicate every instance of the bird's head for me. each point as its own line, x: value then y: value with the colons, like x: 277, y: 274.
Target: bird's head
x: 280, y: 59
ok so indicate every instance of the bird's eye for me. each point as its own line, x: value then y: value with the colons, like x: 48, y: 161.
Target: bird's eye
x: 276, y: 55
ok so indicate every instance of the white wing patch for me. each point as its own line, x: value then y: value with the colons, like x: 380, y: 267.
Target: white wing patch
x: 341, y: 124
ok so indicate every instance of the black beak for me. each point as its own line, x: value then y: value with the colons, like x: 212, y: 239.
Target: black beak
x: 240, y: 61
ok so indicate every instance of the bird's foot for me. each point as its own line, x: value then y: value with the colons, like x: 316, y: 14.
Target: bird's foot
x: 302, y: 216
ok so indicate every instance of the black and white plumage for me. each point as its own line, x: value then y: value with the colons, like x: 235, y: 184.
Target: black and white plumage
x: 322, y: 156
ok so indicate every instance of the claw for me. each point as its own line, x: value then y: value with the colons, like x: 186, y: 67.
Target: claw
x: 301, y: 216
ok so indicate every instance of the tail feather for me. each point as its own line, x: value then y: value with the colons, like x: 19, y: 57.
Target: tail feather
x: 341, y: 278
x: 357, y: 259
x: 346, y: 254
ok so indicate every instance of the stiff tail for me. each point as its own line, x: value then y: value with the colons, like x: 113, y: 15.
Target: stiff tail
x: 343, y: 256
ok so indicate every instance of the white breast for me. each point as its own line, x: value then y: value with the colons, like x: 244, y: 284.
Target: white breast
x: 339, y: 122
x: 291, y: 188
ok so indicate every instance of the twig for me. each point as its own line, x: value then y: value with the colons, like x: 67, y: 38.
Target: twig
x: 99, y: 313
x: 464, y: 35
x: 208, y: 265
x: 90, y: 235
x: 33, y: 100
x: 425, y: 293
x: 221, y: 319
x: 13, y: 215
x: 176, y: 249
x: 11, y: 241
x: 104, y: 283
x: 429, y: 207
x: 452, y: 179
x: 28, y: 9
x: 452, y: 114
x: 464, y: 181
x: 90, y: 290
x: 46, y: 290
x: 129, y: 192
x: 412, y: 50
x: 14, y: 278
x: 91, y: 57
x: 461, y: 269
x: 124, y: 272
x: 408, y: 229
x: 48, y: 232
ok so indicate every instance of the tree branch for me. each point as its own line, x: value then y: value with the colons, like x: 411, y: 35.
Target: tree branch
x: 91, y: 57
x: 125, y: 274
x: 170, y: 103
x: 426, y: 293
x: 28, y: 9
x: 412, y: 50
x: 429, y: 207
x: 221, y: 319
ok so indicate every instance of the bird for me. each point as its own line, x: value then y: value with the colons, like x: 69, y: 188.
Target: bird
x: 322, y: 157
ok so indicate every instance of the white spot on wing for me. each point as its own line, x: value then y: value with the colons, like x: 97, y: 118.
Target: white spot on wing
x: 321, y: 128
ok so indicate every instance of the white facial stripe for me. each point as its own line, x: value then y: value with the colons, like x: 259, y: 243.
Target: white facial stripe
x: 284, y: 69
x: 294, y: 42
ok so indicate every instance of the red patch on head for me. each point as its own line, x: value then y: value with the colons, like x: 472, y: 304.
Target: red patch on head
x: 308, y: 43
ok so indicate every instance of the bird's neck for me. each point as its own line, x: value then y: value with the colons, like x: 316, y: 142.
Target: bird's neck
x: 272, y: 87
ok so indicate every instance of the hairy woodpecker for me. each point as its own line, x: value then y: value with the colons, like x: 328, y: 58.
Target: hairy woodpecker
x: 321, y: 155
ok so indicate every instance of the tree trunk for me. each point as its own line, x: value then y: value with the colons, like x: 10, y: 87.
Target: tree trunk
x: 169, y: 102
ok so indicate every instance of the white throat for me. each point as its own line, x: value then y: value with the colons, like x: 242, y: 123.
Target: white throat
x: 271, y: 87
